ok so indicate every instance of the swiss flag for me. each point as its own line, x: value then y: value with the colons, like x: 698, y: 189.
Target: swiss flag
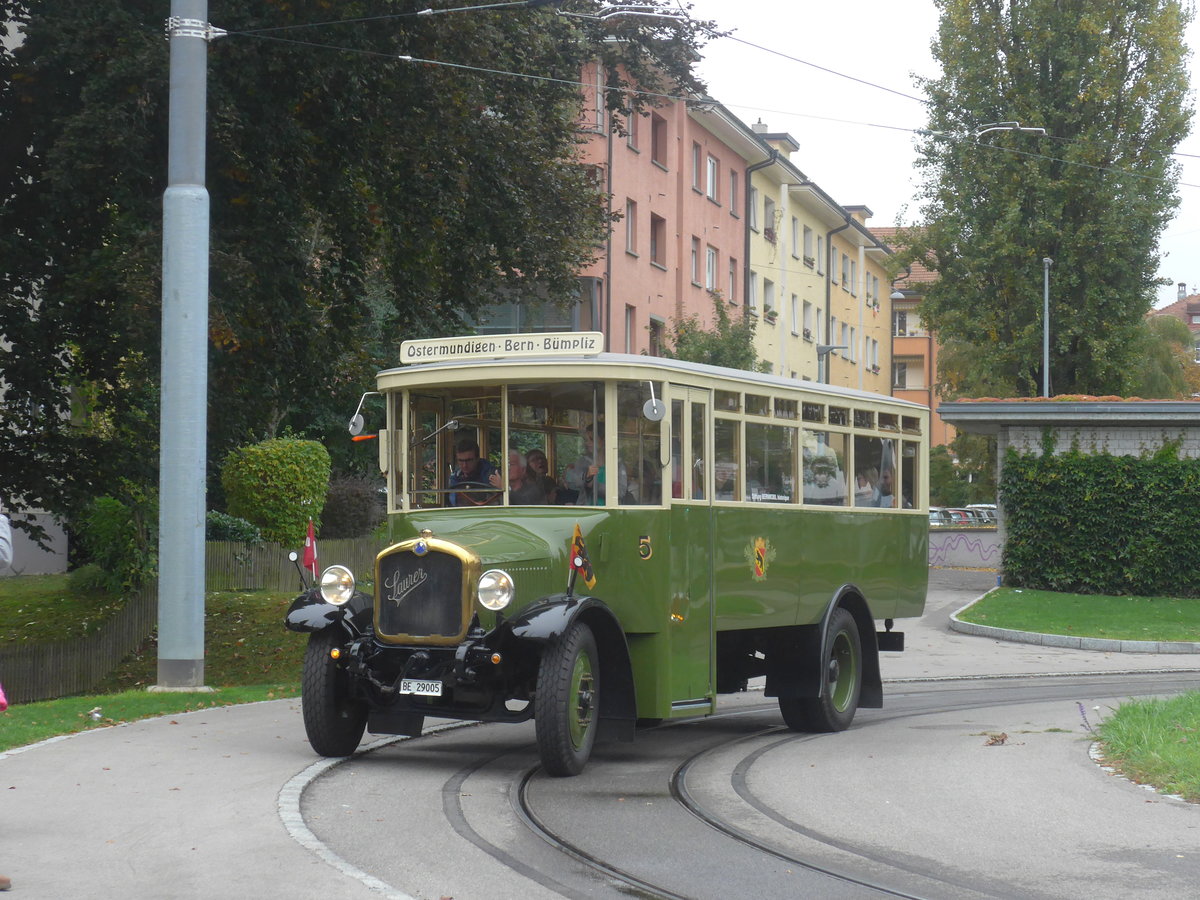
x: 310, y: 550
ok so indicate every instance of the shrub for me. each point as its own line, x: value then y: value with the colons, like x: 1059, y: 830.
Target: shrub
x: 1102, y: 524
x: 353, y: 507
x: 117, y: 538
x: 277, y: 485
x: 89, y: 580
x: 221, y: 526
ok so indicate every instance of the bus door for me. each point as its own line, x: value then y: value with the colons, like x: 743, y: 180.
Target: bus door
x: 690, y: 629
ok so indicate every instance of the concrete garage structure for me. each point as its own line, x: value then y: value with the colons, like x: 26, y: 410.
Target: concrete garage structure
x: 1094, y: 425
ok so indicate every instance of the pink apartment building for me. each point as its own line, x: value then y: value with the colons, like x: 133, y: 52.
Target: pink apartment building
x: 678, y: 181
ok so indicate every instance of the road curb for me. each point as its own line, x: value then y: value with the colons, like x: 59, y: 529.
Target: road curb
x: 1070, y: 642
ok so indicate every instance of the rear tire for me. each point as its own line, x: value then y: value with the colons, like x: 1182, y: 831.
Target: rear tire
x: 834, y: 709
x: 566, y: 705
x: 333, y: 719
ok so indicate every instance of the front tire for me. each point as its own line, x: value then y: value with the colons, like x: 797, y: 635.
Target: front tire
x: 566, y: 705
x: 333, y: 720
x: 834, y: 708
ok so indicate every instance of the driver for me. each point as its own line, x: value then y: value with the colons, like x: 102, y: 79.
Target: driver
x: 472, y: 471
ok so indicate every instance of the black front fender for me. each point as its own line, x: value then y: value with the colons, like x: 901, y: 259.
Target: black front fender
x: 549, y: 617
x: 545, y: 620
x: 311, y: 612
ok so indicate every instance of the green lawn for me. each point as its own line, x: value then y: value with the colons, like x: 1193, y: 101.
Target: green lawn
x: 248, y: 656
x: 1081, y: 615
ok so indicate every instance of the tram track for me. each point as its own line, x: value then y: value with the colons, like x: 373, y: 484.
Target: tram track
x: 593, y: 830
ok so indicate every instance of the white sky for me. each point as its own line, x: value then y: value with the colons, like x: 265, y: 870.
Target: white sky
x: 832, y: 117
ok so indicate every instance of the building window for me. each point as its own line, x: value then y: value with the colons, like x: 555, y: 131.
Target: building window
x: 752, y: 297
x: 733, y: 193
x: 769, y: 297
x: 754, y: 208
x: 845, y: 272
x: 658, y: 240
x: 900, y: 375
x: 631, y: 227
x: 712, y: 186
x: 808, y: 247
x: 833, y: 265
x: 795, y: 314
x: 696, y: 261
x: 658, y: 139
x: 598, y: 98
x: 710, y: 268
x: 634, y: 128
x: 833, y: 330
x: 696, y: 170
x: 808, y: 321
x: 795, y: 238
x: 657, y: 330
x: 733, y: 280
x: 854, y: 277
x: 852, y: 352
x: 769, y: 219
x: 630, y: 327
x: 849, y: 344
x: 820, y: 256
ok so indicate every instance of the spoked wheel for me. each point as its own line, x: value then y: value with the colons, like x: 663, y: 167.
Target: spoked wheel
x: 834, y: 709
x: 333, y: 719
x: 566, y: 705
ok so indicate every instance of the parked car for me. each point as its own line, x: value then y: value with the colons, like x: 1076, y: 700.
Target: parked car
x: 986, y: 510
x: 961, y: 518
x: 939, y: 516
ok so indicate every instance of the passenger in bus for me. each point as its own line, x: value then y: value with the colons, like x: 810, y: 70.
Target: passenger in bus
x: 592, y: 485
x: 472, y: 470
x: 887, y: 488
x: 866, y: 493
x: 523, y: 490
x: 539, y: 468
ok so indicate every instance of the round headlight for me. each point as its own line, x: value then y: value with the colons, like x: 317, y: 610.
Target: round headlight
x: 496, y: 589
x: 337, y: 585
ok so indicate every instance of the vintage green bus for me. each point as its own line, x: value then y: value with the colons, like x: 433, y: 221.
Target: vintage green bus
x: 685, y: 529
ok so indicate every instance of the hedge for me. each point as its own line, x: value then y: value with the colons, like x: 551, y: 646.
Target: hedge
x: 1102, y: 524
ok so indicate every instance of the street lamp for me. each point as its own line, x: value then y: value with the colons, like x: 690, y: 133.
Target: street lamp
x: 1006, y: 126
x: 1047, y: 262
x: 823, y: 351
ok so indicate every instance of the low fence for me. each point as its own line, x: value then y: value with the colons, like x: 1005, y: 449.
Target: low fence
x: 62, y: 668
x: 265, y: 567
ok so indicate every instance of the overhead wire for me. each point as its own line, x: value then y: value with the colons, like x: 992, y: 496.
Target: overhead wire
x: 268, y: 34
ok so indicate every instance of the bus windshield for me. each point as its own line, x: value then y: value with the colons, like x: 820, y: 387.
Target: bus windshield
x: 541, y: 443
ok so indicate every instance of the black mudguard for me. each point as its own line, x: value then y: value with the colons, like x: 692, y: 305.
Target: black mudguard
x: 310, y: 612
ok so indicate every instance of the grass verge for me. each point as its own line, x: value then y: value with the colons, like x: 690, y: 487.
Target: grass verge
x: 1084, y: 615
x: 249, y: 656
x: 1157, y: 742
x: 29, y: 723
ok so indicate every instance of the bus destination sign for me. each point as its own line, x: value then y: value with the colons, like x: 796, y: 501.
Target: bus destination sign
x: 491, y: 346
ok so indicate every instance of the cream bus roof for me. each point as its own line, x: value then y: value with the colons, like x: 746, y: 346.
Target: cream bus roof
x: 517, y: 368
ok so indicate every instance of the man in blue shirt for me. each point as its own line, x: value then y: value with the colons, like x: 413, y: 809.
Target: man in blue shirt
x: 472, y: 471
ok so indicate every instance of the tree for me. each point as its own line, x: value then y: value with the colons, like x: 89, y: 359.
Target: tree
x: 728, y: 343
x: 360, y: 194
x: 1107, y: 80
x: 1165, y: 367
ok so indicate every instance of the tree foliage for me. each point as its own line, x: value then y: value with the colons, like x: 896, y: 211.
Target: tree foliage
x: 727, y: 343
x: 1165, y: 366
x: 1107, y: 79
x: 372, y: 180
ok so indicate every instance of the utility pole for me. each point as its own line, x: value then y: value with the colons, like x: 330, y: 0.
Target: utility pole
x: 183, y: 433
x: 1047, y: 262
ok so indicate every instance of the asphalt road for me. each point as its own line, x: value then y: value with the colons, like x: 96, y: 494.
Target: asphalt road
x: 914, y: 799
